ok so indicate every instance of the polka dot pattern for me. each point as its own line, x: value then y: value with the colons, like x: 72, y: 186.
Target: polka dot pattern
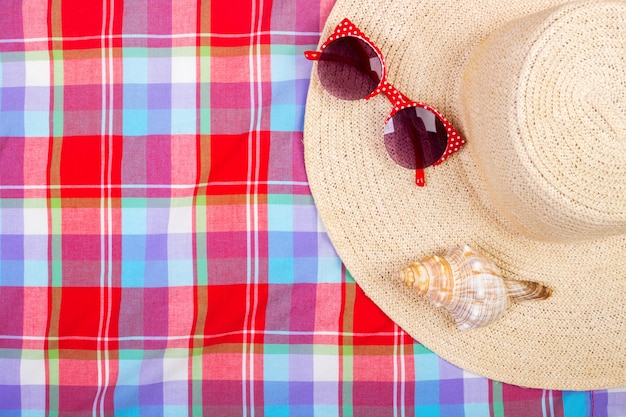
x: 397, y: 99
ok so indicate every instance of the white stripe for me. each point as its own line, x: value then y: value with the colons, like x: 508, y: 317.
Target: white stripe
x: 258, y: 54
x: 150, y: 186
x: 399, y: 373
x: 103, y: 69
x: 151, y: 36
x: 252, y: 208
x: 402, y: 376
x: 551, y: 404
x: 194, y: 337
x: 109, y: 286
x: 250, y: 213
x: 544, y: 408
x: 395, y: 371
x: 106, y: 217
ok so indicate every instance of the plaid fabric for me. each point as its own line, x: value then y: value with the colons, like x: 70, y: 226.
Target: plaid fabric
x: 160, y: 252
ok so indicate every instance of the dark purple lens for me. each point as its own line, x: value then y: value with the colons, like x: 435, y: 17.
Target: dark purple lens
x: 415, y: 138
x: 349, y: 68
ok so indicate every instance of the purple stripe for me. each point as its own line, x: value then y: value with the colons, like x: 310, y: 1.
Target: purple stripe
x: 12, y: 98
x: 12, y: 221
x: 37, y: 99
x: 10, y: 371
x: 160, y: 97
x: 156, y: 247
x: 10, y: 396
x: 159, y: 70
x: 35, y: 247
x: 11, y: 247
x: 305, y: 244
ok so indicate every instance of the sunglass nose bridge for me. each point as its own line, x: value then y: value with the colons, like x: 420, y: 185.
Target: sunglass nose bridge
x: 394, y: 95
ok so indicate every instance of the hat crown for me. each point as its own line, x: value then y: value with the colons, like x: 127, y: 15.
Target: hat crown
x: 544, y: 112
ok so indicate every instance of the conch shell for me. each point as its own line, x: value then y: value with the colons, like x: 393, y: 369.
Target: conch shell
x: 468, y: 285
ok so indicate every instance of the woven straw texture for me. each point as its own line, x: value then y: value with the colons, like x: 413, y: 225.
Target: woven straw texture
x: 540, y: 187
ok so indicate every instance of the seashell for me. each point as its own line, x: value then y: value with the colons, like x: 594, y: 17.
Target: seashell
x: 468, y: 285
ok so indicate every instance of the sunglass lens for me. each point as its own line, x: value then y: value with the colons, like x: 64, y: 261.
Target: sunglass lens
x: 415, y: 138
x: 349, y: 68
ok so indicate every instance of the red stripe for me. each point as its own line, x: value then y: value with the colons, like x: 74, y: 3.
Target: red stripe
x: 193, y: 342
x: 50, y: 298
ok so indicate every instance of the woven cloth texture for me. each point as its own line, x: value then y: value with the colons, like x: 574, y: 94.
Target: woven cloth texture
x: 160, y: 252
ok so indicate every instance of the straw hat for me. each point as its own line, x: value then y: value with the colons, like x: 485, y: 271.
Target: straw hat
x: 538, y: 90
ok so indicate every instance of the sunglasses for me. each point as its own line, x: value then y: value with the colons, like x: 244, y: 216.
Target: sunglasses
x: 351, y: 67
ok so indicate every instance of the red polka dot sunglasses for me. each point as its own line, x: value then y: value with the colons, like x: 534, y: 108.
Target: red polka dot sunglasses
x: 351, y: 67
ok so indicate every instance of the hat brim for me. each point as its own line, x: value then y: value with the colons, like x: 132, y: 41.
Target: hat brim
x: 379, y: 221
